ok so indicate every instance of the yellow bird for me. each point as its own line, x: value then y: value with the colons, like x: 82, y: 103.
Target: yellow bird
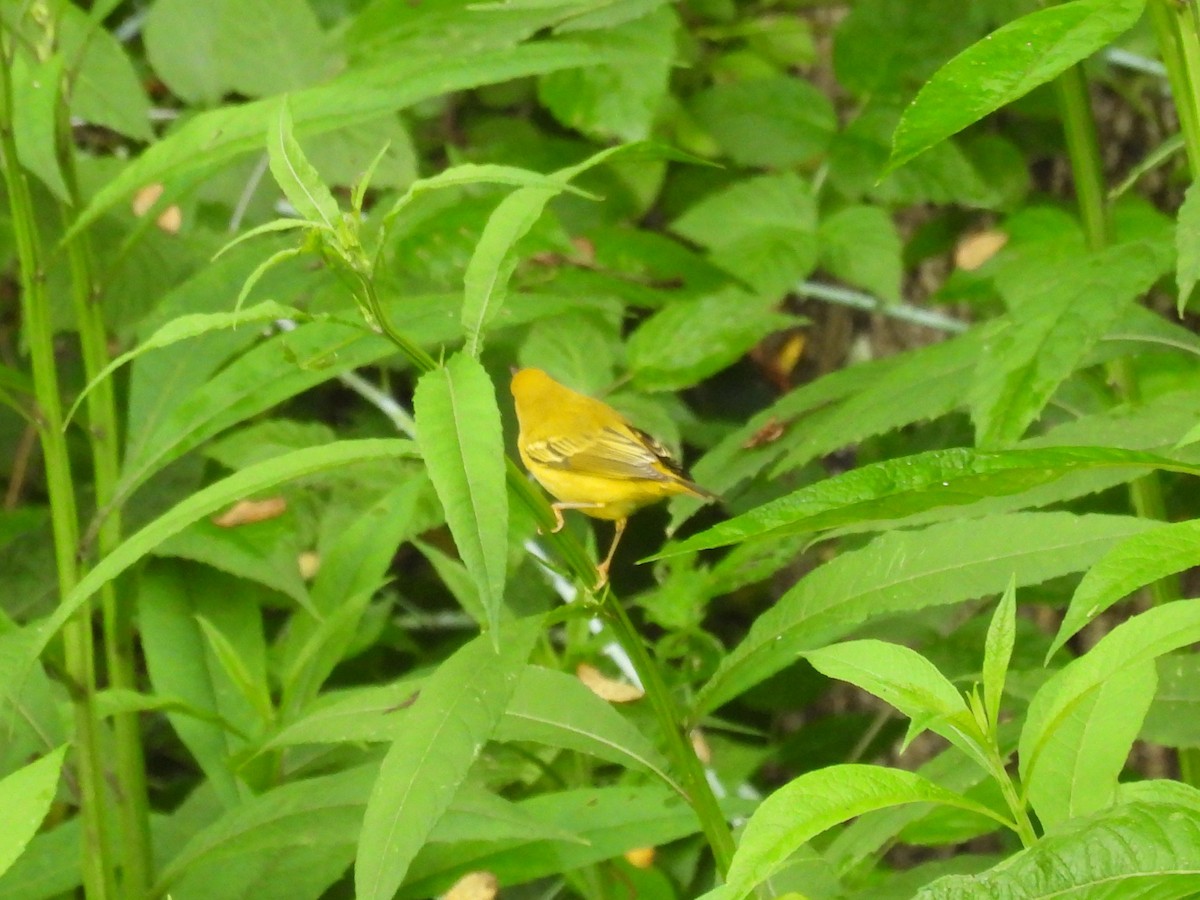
x: 589, y: 458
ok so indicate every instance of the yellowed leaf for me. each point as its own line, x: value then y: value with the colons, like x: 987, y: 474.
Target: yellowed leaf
x: 607, y: 688
x: 640, y: 857
x: 170, y: 219
x: 977, y: 248
x: 247, y: 512
x: 474, y: 886
x: 309, y: 563
x: 145, y: 198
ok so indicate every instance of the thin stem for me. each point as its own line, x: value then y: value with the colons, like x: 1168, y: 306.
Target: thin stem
x: 1016, y: 807
x: 1079, y: 127
x: 98, y: 874
x: 1177, y: 27
x: 1181, y: 52
x: 691, y: 770
x: 132, y: 802
x: 1180, y: 73
x: 1084, y: 149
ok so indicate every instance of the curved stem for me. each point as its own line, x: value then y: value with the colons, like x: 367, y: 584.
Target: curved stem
x: 700, y: 794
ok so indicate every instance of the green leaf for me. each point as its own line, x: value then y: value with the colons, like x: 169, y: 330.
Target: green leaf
x: 351, y: 572
x: 36, y: 94
x: 291, y: 841
x: 905, y: 570
x: 216, y: 496
x: 913, y: 484
x: 1187, y: 246
x: 905, y: 390
x: 252, y: 685
x: 997, y: 652
x: 1142, y: 849
x: 557, y: 710
x: 462, y: 442
x: 265, y: 552
x: 295, y: 175
x: 50, y: 865
x: 775, y: 122
x: 183, y: 43
x: 182, y: 664
x: 815, y: 802
x: 191, y: 326
x: 445, y: 729
x: 488, y: 173
x: 620, y: 100
x: 763, y: 230
x: 159, y: 377
x: 609, y: 820
x: 902, y: 677
x: 1082, y: 722
x: 870, y: 835
x: 359, y: 715
x: 477, y: 815
x: 1131, y: 564
x: 1006, y: 65
x: 485, y: 283
x: 1061, y: 310
x: 842, y: 407
x: 861, y: 246
x: 720, y: 328
x: 269, y: 46
x: 105, y: 88
x: 1174, y: 717
x: 888, y: 47
x: 25, y: 797
x: 252, y: 383
x: 213, y: 138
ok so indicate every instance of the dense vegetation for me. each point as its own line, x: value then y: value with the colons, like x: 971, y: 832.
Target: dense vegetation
x: 904, y: 281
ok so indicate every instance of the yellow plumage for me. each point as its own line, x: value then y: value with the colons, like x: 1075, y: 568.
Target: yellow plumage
x: 589, y: 458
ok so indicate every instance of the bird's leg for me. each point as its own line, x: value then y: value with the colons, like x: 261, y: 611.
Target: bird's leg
x: 602, y: 569
x: 557, y: 509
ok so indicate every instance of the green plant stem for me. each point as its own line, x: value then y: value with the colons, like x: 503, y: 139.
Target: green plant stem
x: 1178, y: 39
x: 670, y: 717
x: 1016, y: 806
x: 691, y: 770
x: 98, y: 873
x: 1177, y: 27
x: 1083, y: 146
x: 1179, y: 54
x: 132, y: 803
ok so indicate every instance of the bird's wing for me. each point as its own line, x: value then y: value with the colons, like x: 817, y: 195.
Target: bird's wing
x: 608, y: 453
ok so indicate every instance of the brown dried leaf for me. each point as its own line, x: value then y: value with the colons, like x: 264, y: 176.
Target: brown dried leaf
x: 170, y: 220
x: 145, y: 199
x: 474, y: 886
x: 977, y: 248
x: 247, y: 512
x: 607, y: 688
x: 769, y: 433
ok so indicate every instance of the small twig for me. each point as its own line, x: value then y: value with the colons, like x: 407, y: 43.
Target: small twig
x: 16, y: 483
x: 902, y: 311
